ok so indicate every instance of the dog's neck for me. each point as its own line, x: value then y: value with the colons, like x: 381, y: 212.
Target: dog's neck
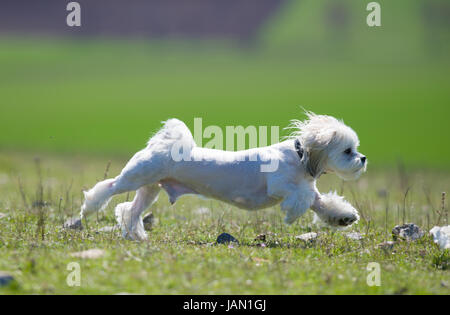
x: 301, y: 153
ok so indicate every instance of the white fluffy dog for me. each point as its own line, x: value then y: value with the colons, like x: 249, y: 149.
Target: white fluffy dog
x: 173, y: 162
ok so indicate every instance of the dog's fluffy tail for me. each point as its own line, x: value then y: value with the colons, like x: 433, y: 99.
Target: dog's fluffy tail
x: 174, y: 138
x: 97, y: 198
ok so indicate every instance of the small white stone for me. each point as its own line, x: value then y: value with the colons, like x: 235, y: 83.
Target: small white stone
x: 307, y: 237
x: 108, y: 229
x: 89, y: 254
x: 354, y: 236
x: 441, y: 236
x: 203, y: 211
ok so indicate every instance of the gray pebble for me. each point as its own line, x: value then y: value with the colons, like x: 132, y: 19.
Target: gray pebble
x: 73, y: 223
x: 408, y: 231
x: 386, y: 245
x: 5, y: 278
x: 226, y: 238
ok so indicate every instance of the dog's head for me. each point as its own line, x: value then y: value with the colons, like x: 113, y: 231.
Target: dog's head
x: 329, y: 146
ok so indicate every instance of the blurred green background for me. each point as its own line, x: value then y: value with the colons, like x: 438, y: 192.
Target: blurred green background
x: 95, y: 94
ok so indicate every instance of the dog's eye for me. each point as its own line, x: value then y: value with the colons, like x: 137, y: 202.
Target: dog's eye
x: 348, y: 151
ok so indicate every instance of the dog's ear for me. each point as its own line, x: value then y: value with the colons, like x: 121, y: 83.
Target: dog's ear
x: 317, y: 155
x: 315, y: 162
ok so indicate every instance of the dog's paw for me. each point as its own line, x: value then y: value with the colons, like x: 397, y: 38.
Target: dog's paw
x: 335, y: 211
x: 348, y: 220
x: 132, y: 227
x: 335, y: 222
x: 134, y: 235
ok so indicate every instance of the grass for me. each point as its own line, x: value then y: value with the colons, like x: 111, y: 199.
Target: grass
x: 83, y: 101
x: 180, y: 255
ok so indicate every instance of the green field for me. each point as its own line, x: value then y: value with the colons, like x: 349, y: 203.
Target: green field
x: 180, y: 255
x: 108, y: 97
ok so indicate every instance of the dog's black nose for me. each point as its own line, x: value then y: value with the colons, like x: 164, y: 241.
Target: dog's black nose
x: 363, y: 159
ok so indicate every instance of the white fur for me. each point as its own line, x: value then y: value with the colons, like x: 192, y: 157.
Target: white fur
x: 97, y: 198
x: 441, y: 236
x: 173, y: 162
x: 333, y: 210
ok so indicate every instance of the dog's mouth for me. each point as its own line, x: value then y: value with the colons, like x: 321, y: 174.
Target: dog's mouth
x: 352, y: 174
x: 361, y: 169
x: 357, y: 173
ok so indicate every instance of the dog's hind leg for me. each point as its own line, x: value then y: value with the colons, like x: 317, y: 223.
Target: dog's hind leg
x: 129, y: 214
x: 139, y: 171
x: 98, y: 197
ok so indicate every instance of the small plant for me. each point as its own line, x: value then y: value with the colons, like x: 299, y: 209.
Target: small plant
x: 441, y: 260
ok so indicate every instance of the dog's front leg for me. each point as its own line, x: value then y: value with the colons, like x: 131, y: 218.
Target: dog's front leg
x: 334, y: 210
x: 296, y: 197
x: 296, y: 202
x: 294, y: 208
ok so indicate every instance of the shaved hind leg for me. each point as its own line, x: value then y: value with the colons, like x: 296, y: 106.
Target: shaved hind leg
x: 132, y: 177
x: 97, y: 198
x: 128, y: 214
